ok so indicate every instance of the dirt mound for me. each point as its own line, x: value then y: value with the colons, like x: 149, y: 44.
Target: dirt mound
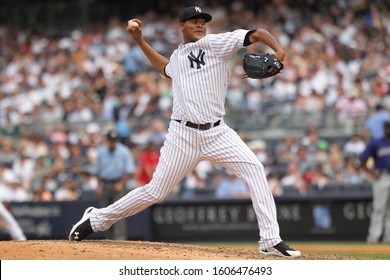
x: 132, y: 250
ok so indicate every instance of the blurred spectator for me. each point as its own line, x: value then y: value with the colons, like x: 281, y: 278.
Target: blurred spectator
x: 198, y: 179
x: 121, y: 114
x: 41, y: 194
x: 311, y: 105
x: 80, y: 111
x: 259, y: 147
x: 75, y: 173
x: 42, y: 169
x: 133, y: 58
x: 13, y: 190
x: 355, y: 145
x: 35, y: 146
x: 52, y: 112
x: 373, y: 126
x: 157, y: 132
x: 89, y: 184
x: 140, y: 135
x: 23, y: 168
x: 286, y: 149
x: 351, y: 106
x: 7, y: 154
x: 76, y: 155
x: 303, y: 159
x: 354, y: 173
x: 294, y: 177
x: 310, y: 140
x: 148, y: 160
x: 318, y: 177
x: 68, y: 191
x: 236, y: 96
x: 322, y: 154
x: 273, y: 178
x: 334, y: 165
x: 56, y: 175
x: 191, y: 184
x: 230, y: 186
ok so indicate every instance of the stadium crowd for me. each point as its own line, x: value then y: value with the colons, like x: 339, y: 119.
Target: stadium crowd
x: 59, y: 95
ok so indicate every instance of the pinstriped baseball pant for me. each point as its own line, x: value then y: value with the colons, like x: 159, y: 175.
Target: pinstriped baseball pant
x: 183, y: 149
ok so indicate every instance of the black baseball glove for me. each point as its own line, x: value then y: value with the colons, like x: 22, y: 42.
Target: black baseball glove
x: 260, y: 66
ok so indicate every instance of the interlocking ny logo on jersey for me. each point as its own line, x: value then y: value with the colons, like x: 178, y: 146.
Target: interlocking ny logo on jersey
x: 199, y: 59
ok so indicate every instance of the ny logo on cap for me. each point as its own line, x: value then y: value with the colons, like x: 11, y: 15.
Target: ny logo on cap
x: 198, y: 9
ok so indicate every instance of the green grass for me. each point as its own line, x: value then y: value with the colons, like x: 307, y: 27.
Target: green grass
x: 368, y: 256
x: 380, y: 251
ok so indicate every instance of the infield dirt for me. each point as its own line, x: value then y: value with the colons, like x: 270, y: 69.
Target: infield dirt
x: 141, y: 250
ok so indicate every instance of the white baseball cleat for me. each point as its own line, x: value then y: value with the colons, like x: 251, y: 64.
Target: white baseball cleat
x: 282, y: 250
x: 83, y: 227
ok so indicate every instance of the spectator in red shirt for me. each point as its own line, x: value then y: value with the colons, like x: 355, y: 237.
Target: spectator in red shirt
x: 147, y: 163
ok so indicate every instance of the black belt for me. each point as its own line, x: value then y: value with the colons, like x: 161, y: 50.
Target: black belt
x: 203, y: 126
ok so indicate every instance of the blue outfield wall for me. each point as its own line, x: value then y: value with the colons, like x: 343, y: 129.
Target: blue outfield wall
x: 300, y: 218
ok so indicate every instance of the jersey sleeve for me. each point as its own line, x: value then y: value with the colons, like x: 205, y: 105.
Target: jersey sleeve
x: 225, y: 45
x: 168, y: 70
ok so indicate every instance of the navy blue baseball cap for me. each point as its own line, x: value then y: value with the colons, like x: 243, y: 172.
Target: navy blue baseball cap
x: 193, y: 12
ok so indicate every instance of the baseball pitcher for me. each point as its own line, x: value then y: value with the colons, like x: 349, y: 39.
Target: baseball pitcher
x: 199, y: 70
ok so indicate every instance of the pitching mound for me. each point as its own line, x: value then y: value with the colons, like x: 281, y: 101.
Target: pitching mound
x: 132, y: 250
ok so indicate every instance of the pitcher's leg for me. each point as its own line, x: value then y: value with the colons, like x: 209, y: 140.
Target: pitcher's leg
x: 106, y: 199
x: 118, y: 231
x: 231, y: 152
x: 262, y: 200
x: 179, y: 155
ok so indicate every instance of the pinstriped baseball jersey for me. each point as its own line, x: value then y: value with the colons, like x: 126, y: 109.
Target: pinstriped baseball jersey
x: 200, y: 76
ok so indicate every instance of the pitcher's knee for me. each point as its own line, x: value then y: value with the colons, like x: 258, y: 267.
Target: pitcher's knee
x: 257, y: 168
x: 250, y: 170
x: 260, y: 166
x: 155, y: 195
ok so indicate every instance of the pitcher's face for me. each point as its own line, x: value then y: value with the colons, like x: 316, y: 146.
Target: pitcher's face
x: 193, y: 29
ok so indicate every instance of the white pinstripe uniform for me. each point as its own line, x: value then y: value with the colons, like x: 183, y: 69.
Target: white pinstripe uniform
x: 10, y: 224
x: 200, y: 77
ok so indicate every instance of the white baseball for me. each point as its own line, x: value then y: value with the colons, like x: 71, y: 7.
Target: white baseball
x: 132, y: 24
